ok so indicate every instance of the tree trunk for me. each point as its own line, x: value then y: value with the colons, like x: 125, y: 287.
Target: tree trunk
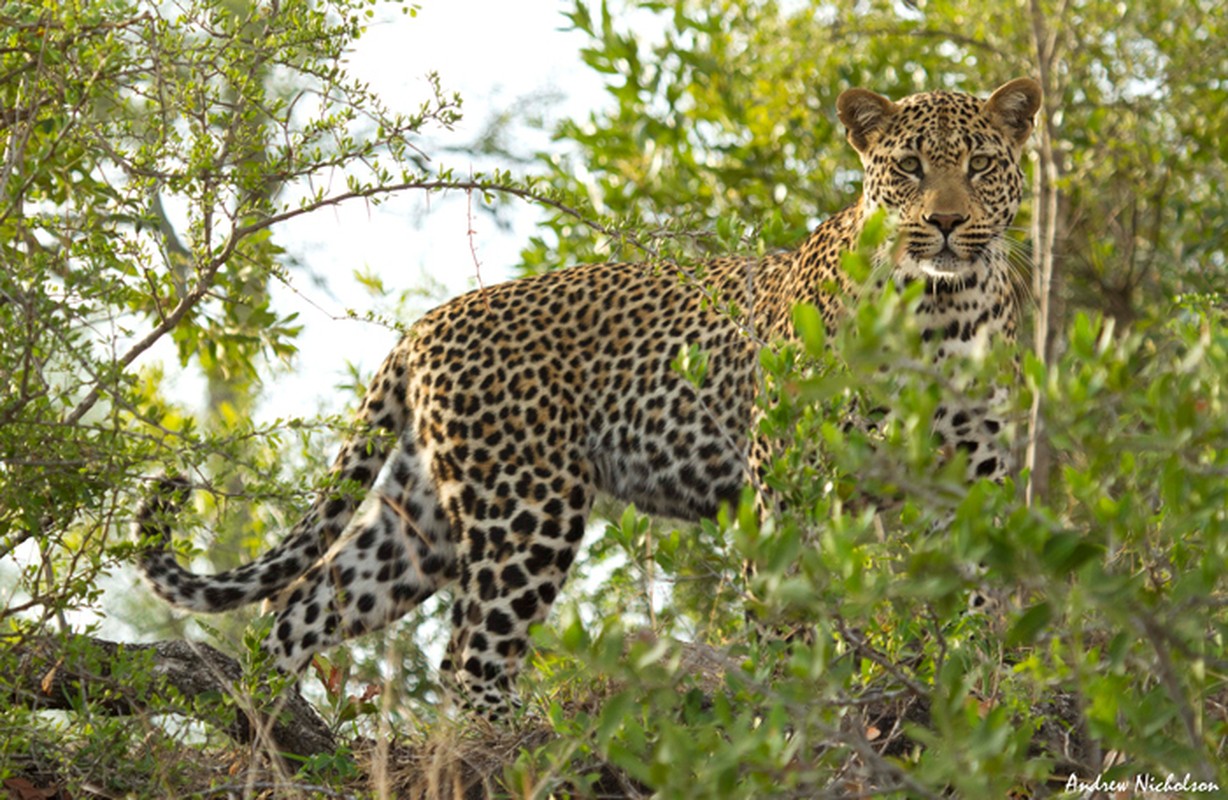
x: 1046, y: 224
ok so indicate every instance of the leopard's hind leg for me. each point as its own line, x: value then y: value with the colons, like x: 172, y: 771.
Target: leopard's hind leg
x: 394, y: 554
x: 512, y: 561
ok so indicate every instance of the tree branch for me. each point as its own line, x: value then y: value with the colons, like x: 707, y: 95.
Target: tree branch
x: 206, y: 275
x: 57, y: 672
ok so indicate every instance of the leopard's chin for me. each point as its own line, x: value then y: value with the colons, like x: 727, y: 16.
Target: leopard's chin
x: 947, y: 266
x: 942, y: 267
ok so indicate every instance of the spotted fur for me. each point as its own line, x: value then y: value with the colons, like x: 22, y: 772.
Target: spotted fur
x: 494, y: 422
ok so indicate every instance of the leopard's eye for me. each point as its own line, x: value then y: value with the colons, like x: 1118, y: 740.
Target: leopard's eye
x: 978, y: 163
x: 910, y: 164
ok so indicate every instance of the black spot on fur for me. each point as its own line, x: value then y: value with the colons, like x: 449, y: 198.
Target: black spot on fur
x: 498, y: 623
x: 524, y: 523
x: 525, y: 606
x: 513, y: 577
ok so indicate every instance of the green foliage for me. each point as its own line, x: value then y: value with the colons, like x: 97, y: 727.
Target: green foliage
x: 151, y: 150
x: 118, y: 112
x: 1109, y: 626
x: 730, y: 112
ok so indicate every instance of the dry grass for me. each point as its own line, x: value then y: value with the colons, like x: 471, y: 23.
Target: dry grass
x: 474, y: 760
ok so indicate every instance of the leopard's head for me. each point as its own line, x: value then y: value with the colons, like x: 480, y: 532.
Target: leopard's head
x: 946, y: 167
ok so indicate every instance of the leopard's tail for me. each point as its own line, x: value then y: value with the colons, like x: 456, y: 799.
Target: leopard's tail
x: 381, y: 419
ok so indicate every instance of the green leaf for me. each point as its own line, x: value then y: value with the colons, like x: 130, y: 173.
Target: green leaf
x: 808, y: 323
x: 1029, y: 624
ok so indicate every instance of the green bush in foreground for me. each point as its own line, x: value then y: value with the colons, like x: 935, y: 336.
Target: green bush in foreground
x: 1106, y: 637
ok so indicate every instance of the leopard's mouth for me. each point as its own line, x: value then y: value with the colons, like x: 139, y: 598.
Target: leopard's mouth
x: 945, y: 264
x: 939, y: 258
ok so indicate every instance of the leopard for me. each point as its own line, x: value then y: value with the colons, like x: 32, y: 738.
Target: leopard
x: 490, y: 428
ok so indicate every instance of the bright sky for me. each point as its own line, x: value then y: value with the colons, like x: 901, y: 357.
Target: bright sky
x: 495, y: 53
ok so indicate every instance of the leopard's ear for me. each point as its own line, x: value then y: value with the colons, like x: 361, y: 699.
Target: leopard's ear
x: 864, y: 114
x: 1013, y: 106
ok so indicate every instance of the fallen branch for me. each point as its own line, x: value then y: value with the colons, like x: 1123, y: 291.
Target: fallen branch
x: 65, y: 672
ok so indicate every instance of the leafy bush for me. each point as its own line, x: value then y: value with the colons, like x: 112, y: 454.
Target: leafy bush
x: 1108, y: 631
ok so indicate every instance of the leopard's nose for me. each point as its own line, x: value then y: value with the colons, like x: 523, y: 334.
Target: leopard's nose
x: 946, y: 223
